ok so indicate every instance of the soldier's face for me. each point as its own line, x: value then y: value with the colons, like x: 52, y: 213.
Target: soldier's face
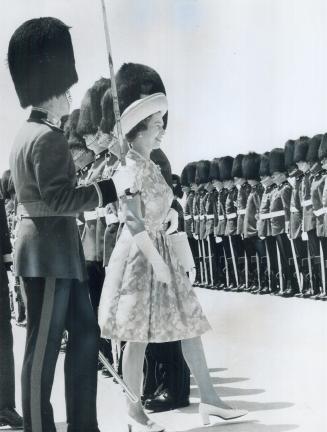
x: 228, y: 184
x: 278, y: 177
x: 217, y: 184
x: 185, y: 189
x: 194, y: 187
x: 266, y: 181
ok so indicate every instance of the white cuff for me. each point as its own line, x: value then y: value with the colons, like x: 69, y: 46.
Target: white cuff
x: 7, y: 258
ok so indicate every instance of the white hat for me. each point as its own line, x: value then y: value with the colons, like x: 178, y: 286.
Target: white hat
x: 141, y: 109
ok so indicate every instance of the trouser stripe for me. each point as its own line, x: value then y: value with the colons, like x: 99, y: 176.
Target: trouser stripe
x: 39, y: 353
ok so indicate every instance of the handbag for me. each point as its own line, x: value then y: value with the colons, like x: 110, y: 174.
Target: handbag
x: 182, y: 250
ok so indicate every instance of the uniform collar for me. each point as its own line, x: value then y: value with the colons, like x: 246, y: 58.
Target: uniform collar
x: 40, y: 115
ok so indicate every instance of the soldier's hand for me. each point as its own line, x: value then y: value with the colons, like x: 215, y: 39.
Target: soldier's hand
x: 196, y: 237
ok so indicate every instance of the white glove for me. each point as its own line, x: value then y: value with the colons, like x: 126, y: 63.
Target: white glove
x: 196, y: 237
x: 148, y: 249
x: 218, y: 239
x: 172, y: 219
x: 123, y: 179
x: 304, y: 236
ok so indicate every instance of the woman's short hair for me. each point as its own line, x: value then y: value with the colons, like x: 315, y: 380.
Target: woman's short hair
x: 143, y: 125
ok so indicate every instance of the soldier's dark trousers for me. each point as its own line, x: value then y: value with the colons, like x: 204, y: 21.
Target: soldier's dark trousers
x: 195, y: 252
x: 229, y: 271
x: 96, y: 274
x: 54, y: 305
x: 7, y: 370
x: 313, y: 242
x: 166, y: 370
x: 238, y: 249
x: 285, y: 251
x: 300, y: 247
x: 215, y: 259
x: 270, y: 242
x: 254, y: 246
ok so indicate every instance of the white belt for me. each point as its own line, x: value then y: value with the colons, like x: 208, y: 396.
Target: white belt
x: 294, y: 210
x: 111, y: 218
x: 101, y: 212
x: 241, y: 212
x: 232, y: 215
x: 196, y: 217
x: 187, y: 217
x: 221, y: 217
x: 201, y: 217
x: 90, y: 215
x: 306, y: 203
x: 264, y: 216
x: 277, y: 213
x: 210, y: 217
x: 321, y: 211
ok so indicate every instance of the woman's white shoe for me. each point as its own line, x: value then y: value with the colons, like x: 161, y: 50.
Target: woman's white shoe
x: 134, y: 426
x: 207, y: 410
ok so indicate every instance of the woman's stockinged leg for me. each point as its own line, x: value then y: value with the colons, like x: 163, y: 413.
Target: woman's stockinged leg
x: 194, y: 355
x: 133, y: 359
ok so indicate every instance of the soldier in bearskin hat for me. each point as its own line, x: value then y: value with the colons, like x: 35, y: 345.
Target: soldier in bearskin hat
x: 222, y: 168
x: 306, y: 158
x: 279, y: 216
x: 252, y: 243
x: 202, y: 179
x: 198, y: 197
x: 227, y: 166
x: 48, y: 252
x: 311, y: 166
x: 178, y: 194
x: 264, y: 224
x: 187, y: 179
x: 295, y: 226
x: 317, y: 190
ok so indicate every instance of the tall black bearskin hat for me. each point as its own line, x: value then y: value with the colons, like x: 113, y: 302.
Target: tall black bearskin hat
x: 225, y: 167
x: 214, y: 169
x: 41, y: 60
x: 323, y: 147
x: 264, y: 169
x: 277, y: 160
x: 134, y: 81
x: 289, y: 154
x: 177, y: 187
x: 91, y: 109
x: 301, y: 149
x: 202, y: 174
x: 188, y: 174
x: 237, y: 166
x: 313, y: 149
x: 251, y: 166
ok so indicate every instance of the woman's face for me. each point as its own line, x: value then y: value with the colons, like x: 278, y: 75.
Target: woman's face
x: 154, y: 131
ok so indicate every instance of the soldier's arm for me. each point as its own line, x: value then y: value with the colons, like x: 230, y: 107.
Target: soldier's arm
x: 51, y: 160
x: 5, y: 235
x: 286, y: 199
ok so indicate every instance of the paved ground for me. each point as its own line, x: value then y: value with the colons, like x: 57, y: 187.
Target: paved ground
x: 266, y: 354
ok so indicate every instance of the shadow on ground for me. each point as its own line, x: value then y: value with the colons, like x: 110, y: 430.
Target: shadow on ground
x: 244, y: 426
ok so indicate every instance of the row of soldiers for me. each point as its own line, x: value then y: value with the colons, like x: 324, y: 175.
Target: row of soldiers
x: 258, y: 223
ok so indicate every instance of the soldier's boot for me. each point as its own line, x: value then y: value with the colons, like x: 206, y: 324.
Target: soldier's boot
x: 317, y: 281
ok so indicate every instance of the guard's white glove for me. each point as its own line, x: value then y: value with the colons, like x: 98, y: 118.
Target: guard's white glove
x: 304, y: 236
x: 148, y: 249
x: 172, y: 221
x: 218, y: 239
x: 196, y: 236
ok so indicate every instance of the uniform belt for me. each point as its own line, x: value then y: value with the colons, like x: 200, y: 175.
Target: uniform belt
x: 36, y: 209
x: 277, y: 213
x: 210, y: 217
x: 187, y: 217
x: 241, y: 212
x: 196, y: 217
x: 90, y: 215
x: 201, y: 217
x: 232, y: 215
x: 306, y: 203
x: 111, y: 218
x: 321, y: 211
x: 221, y: 217
x: 264, y: 216
x: 294, y: 210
